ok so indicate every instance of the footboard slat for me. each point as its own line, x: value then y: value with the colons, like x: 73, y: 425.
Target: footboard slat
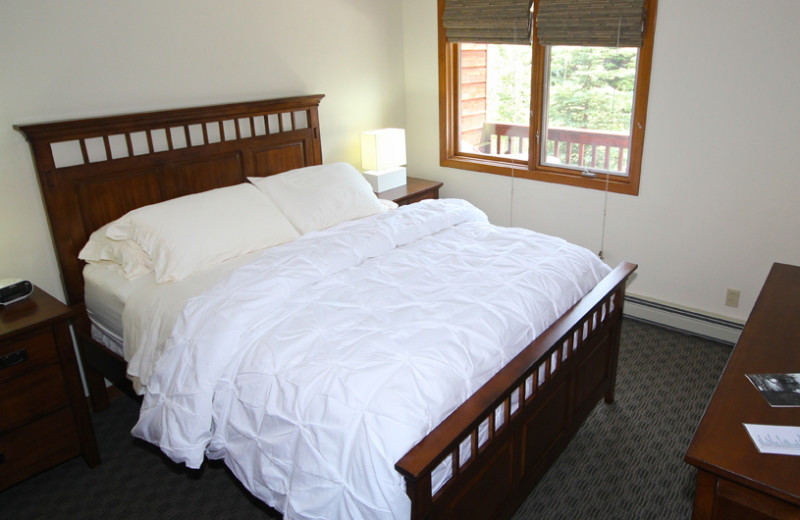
x: 515, y: 425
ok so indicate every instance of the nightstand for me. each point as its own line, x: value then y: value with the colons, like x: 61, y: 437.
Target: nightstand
x: 44, y: 418
x: 413, y: 191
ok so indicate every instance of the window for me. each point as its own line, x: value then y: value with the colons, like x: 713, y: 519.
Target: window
x: 565, y: 112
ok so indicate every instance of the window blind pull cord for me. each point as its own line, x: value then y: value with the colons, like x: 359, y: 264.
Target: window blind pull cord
x: 513, y: 163
x: 603, y: 231
x: 601, y: 253
x: 511, y: 201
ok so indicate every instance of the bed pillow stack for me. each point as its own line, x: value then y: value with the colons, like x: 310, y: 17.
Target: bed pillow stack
x: 189, y: 234
x: 179, y: 237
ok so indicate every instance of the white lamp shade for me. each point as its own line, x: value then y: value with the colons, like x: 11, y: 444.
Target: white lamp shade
x: 383, y: 149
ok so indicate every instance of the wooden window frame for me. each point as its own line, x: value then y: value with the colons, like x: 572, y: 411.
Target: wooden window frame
x: 450, y: 156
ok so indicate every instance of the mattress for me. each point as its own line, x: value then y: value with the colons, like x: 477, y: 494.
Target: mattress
x: 105, y: 293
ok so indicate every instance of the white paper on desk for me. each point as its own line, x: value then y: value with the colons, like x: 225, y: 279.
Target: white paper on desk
x: 782, y: 440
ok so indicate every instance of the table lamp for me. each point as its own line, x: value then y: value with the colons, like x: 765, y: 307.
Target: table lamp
x: 383, y: 156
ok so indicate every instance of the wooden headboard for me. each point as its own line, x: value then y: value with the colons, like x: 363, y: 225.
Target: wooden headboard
x: 92, y: 171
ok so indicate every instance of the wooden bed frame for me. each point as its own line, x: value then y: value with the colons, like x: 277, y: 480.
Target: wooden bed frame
x: 93, y: 171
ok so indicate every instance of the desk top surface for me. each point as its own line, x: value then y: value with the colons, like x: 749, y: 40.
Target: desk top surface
x: 770, y: 343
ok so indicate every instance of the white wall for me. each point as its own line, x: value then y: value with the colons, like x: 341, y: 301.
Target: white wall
x: 65, y: 59
x: 720, y: 184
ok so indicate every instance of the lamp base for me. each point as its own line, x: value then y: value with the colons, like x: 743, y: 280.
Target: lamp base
x: 383, y: 180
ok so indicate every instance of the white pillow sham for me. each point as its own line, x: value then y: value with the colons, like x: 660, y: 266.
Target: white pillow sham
x: 318, y: 197
x: 192, y: 233
x: 123, y: 256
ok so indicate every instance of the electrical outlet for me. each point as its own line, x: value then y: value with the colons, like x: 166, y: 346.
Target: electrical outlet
x: 732, y: 297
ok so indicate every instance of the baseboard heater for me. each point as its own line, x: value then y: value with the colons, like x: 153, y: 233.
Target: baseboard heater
x: 686, y: 320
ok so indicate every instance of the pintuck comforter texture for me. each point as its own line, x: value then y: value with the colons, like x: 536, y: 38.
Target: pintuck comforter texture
x: 314, y: 368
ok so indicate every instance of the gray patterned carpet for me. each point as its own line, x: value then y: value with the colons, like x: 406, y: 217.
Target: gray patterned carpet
x: 626, y: 462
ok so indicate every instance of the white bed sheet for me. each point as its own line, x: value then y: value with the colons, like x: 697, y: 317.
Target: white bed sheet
x: 298, y: 368
x: 134, y: 318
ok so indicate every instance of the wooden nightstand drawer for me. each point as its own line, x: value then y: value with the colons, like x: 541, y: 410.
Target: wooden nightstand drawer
x: 26, y: 355
x: 31, y: 396
x: 34, y: 447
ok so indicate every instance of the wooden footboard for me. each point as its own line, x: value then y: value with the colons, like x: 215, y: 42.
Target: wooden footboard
x: 500, y: 442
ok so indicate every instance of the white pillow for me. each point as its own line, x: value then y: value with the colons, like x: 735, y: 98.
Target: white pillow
x: 318, y: 197
x: 123, y: 256
x: 192, y: 233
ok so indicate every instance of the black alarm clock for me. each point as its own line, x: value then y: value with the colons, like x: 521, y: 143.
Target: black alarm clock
x: 13, y: 290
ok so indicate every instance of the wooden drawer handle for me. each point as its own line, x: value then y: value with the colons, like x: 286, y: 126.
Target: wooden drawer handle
x: 14, y: 358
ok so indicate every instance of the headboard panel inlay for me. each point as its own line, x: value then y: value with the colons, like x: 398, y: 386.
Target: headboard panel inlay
x: 93, y: 171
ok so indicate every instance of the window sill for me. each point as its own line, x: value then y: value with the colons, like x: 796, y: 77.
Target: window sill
x: 612, y: 183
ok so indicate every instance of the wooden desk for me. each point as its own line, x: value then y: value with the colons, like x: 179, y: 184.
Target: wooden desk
x: 734, y: 480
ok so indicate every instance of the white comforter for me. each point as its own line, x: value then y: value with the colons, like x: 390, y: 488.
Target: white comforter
x: 313, y: 369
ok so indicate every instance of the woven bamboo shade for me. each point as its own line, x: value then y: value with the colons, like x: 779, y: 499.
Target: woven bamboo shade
x: 488, y: 21
x: 591, y: 23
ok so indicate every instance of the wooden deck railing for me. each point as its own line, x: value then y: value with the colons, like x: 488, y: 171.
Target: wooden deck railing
x: 570, y: 146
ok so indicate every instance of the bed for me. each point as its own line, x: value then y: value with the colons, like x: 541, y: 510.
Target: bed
x: 479, y: 461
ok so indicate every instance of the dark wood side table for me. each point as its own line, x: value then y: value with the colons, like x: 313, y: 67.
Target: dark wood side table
x: 413, y: 191
x: 735, y: 480
x: 44, y: 418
